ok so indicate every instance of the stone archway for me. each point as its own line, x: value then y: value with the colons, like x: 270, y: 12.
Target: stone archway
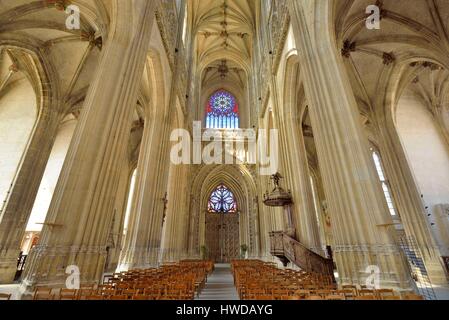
x: 239, y: 179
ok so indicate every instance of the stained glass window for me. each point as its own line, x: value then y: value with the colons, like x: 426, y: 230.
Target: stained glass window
x: 222, y: 111
x: 222, y: 201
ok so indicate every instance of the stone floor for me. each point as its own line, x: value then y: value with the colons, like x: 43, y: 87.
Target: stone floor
x: 220, y: 285
x: 441, y: 292
x: 12, y: 289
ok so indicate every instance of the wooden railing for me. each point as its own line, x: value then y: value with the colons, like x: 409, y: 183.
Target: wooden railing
x: 286, y: 248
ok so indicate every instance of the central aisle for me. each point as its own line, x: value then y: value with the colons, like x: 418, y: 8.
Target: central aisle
x: 220, y: 285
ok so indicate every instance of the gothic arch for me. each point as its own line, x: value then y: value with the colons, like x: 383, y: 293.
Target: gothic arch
x: 241, y: 182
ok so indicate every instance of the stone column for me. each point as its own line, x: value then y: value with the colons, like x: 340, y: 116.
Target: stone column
x: 17, y: 209
x: 143, y: 239
x: 168, y: 234
x: 408, y: 201
x: 115, y: 236
x: 81, y: 211
x: 174, y: 224
x: 363, y: 234
x: 299, y: 178
x: 308, y: 224
x: 268, y: 220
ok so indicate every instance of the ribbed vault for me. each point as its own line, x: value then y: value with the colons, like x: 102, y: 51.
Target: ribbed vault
x: 72, y: 54
x: 412, y: 42
x: 224, y: 41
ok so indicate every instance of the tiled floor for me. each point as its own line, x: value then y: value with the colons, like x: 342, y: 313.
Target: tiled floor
x: 220, y: 285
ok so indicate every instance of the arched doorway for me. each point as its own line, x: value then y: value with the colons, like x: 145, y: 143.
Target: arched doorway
x: 239, y: 180
x: 222, y: 226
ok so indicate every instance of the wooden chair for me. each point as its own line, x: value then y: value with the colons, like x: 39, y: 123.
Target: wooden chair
x: 391, y: 298
x: 292, y: 289
x: 68, y: 294
x: 314, y: 297
x: 83, y: 293
x: 121, y: 287
x: 350, y: 287
x: 140, y: 288
x: 302, y: 293
x: 324, y: 293
x: 366, y: 297
x: 310, y: 287
x: 104, y: 287
x: 118, y: 297
x: 335, y: 297
x: 94, y: 297
x: 43, y: 296
x: 108, y: 292
x: 332, y: 287
x: 367, y: 292
x: 5, y: 296
x: 141, y: 297
x: 347, y: 293
x: 129, y: 292
x: 87, y: 287
x: 412, y: 296
x: 42, y: 293
x: 186, y: 296
x: 381, y: 293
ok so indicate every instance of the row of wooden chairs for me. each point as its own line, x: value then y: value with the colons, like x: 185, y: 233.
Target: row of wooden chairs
x: 254, y: 277
x: 98, y: 294
x: 178, y: 281
x: 191, y: 271
x: 336, y: 295
x: 258, y: 280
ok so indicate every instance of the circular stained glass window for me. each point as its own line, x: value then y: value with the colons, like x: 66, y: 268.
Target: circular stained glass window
x: 222, y: 111
x: 222, y: 103
x: 222, y: 201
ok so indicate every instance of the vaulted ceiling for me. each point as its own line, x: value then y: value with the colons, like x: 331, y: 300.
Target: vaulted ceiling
x: 224, y: 32
x: 413, y: 35
x: 40, y: 26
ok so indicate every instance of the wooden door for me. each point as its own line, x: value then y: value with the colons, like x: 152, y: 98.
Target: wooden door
x: 222, y: 236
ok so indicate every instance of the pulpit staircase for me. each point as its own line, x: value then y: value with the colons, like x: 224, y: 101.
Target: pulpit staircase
x: 288, y: 250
